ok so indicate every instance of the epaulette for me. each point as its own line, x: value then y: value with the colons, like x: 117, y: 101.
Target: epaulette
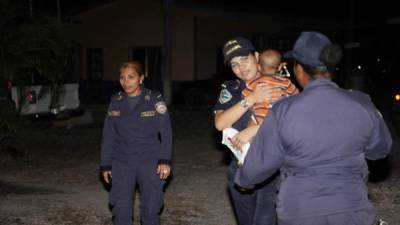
x: 231, y: 84
x: 359, y: 95
x: 157, y: 94
x: 117, y: 96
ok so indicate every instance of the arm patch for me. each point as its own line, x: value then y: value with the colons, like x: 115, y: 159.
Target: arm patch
x: 224, y: 96
x: 161, y: 107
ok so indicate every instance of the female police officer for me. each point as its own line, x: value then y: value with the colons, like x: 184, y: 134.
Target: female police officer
x: 257, y: 205
x: 136, y: 148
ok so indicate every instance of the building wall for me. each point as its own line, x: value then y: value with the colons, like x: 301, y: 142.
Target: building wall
x: 262, y: 29
x: 182, y: 46
x: 115, y: 27
x: 197, y: 36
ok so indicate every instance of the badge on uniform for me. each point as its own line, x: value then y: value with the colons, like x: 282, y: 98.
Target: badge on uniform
x: 147, y: 113
x: 114, y: 113
x: 224, y: 96
x: 147, y: 97
x: 161, y: 107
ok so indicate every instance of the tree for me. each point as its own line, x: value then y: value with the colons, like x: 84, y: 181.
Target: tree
x: 31, y: 47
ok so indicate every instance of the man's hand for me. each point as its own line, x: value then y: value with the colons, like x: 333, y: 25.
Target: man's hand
x: 164, y: 171
x: 107, y: 175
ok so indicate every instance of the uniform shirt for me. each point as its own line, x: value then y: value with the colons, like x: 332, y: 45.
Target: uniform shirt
x: 136, y: 126
x: 319, y: 139
x: 231, y: 94
x: 260, y: 110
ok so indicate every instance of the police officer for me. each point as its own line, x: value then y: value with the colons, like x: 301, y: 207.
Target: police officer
x: 319, y: 139
x: 257, y: 205
x: 136, y: 148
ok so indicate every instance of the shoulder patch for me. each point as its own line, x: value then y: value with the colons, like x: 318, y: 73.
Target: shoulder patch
x: 224, y: 96
x: 117, y: 96
x: 161, y: 107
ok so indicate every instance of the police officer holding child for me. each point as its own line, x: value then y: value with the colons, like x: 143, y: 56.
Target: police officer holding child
x: 254, y: 206
x: 136, y: 148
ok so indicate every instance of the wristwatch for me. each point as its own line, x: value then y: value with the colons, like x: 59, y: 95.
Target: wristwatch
x: 244, y: 103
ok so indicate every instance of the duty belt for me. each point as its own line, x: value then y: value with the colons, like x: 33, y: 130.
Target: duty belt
x: 322, y: 172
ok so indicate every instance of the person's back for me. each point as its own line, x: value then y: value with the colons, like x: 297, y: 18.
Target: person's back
x: 326, y: 148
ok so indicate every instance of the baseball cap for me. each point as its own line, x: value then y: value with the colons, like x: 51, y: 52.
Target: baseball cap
x: 308, y: 47
x: 238, y: 46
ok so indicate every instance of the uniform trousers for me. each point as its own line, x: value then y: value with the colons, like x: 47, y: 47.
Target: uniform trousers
x: 256, y: 206
x: 359, y: 217
x: 126, y: 175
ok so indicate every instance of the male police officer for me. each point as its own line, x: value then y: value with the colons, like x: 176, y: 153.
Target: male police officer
x: 319, y: 139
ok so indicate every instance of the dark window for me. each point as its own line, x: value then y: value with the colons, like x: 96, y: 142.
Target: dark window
x: 95, y: 64
x: 150, y: 57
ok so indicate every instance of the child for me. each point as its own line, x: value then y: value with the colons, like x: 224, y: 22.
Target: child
x: 269, y: 63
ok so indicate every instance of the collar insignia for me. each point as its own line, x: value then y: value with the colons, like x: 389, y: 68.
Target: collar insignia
x: 147, y: 113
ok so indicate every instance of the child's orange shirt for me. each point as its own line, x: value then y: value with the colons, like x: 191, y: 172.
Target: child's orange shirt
x: 260, y: 110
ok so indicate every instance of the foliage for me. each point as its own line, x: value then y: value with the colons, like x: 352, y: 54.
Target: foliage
x: 8, y: 118
x: 34, y: 47
x: 32, y: 51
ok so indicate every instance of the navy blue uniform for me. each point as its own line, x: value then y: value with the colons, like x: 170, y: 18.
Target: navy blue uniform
x: 137, y: 137
x: 257, y: 205
x: 319, y: 140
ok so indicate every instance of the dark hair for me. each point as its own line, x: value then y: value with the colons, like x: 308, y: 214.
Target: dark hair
x: 135, y: 65
x: 330, y: 56
x: 313, y: 71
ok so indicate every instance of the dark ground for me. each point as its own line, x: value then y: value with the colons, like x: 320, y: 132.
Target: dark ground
x: 52, y: 176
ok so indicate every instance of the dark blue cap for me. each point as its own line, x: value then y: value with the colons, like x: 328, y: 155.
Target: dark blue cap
x: 238, y: 46
x: 308, y: 47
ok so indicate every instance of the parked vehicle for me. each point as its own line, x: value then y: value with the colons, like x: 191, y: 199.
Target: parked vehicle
x: 38, y: 99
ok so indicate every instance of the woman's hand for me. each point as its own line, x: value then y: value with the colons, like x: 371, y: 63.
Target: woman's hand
x: 164, y: 171
x: 265, y: 93
x: 107, y: 175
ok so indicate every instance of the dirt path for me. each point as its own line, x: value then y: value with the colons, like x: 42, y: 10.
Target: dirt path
x: 56, y: 180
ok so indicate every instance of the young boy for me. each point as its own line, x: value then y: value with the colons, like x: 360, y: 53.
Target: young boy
x: 270, y: 63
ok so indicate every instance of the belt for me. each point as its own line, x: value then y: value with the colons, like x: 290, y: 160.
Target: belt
x: 322, y: 172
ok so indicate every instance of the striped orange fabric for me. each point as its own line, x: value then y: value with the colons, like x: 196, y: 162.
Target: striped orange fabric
x: 283, y: 85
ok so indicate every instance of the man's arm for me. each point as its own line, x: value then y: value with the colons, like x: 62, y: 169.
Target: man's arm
x: 264, y: 157
x: 380, y: 141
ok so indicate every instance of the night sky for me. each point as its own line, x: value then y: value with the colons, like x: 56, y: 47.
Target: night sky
x: 360, y: 10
